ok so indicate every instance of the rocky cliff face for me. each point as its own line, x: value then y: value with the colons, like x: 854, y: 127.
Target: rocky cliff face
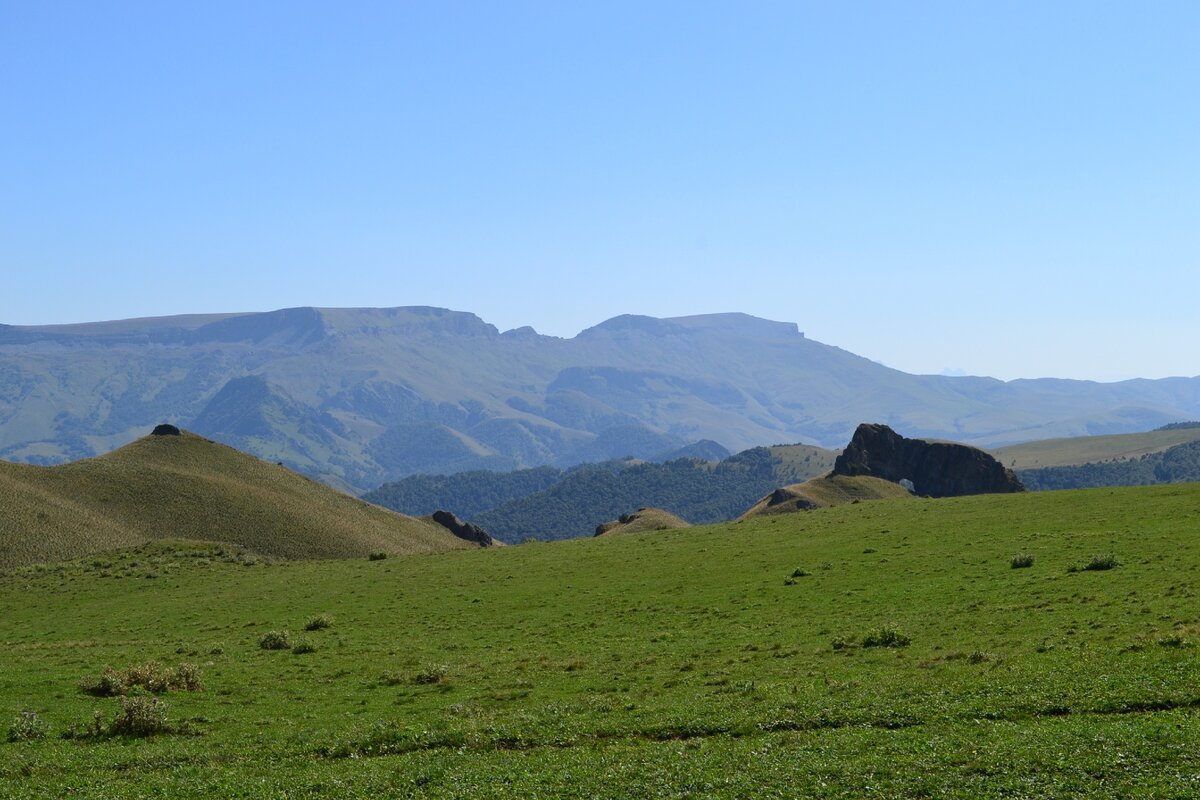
x: 468, y: 531
x: 936, y: 469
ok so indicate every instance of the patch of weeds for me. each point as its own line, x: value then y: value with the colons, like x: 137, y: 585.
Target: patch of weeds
x: 380, y: 556
x: 140, y: 716
x: 275, y: 640
x: 431, y: 674
x: 839, y: 643
x: 27, y: 726
x: 390, y: 678
x: 1172, y: 640
x: 1021, y: 561
x: 1100, y: 563
x: 303, y: 646
x: 886, y: 636
x: 319, y: 622
x: 151, y: 676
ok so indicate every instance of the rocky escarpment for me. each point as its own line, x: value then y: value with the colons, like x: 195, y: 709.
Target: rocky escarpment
x: 936, y: 469
x: 468, y: 531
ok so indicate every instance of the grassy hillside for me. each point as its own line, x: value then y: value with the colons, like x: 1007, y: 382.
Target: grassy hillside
x: 829, y: 490
x: 188, y: 487
x: 911, y: 660
x: 640, y: 521
x: 1089, y: 449
x: 1179, y: 464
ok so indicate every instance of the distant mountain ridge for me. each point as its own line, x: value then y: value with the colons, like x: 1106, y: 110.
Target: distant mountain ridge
x: 359, y: 397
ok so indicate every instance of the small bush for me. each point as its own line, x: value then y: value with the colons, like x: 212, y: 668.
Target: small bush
x: 432, y: 673
x: 1021, y: 561
x: 391, y: 678
x: 886, y: 637
x: 319, y: 623
x: 275, y: 640
x: 1101, y: 562
x: 27, y: 726
x: 140, y: 716
x: 303, y: 646
x: 800, y: 572
x: 839, y: 643
x: 380, y: 556
x: 1172, y: 640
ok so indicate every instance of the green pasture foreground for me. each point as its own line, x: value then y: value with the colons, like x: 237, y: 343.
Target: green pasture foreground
x: 721, y: 661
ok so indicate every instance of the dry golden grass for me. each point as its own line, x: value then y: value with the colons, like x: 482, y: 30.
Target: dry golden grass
x: 644, y: 519
x: 1087, y: 449
x: 187, y: 487
x: 830, y: 490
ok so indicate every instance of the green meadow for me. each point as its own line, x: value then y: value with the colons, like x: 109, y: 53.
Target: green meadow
x: 878, y: 649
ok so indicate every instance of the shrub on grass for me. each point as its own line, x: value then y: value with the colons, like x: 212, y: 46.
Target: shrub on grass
x: 140, y: 716
x: 1101, y: 562
x: 319, y: 622
x: 431, y: 673
x: 391, y: 678
x: 886, y: 637
x: 303, y: 646
x: 275, y: 640
x: 377, y: 556
x: 27, y: 726
x: 1022, y: 560
x: 151, y: 676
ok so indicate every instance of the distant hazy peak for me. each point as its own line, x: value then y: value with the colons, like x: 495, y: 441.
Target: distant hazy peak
x: 406, y: 319
x: 738, y: 322
x: 734, y: 322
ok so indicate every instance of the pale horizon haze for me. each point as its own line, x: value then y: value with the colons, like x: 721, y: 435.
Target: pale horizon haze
x: 1004, y: 189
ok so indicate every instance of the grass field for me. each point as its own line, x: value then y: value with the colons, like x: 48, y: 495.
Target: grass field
x: 1087, y: 449
x: 885, y: 649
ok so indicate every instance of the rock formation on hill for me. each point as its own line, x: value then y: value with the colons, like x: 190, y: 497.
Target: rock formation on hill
x: 467, y: 531
x: 936, y: 469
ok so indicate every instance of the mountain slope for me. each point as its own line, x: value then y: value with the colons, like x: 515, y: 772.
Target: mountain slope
x: 188, y: 487
x: 359, y: 397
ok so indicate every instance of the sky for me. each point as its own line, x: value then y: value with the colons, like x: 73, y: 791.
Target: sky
x: 1001, y: 188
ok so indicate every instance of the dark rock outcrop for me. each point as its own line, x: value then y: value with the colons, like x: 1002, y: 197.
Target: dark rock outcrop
x: 936, y: 469
x: 468, y: 531
x: 165, y: 430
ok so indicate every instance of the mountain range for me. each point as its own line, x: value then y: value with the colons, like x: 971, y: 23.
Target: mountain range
x: 359, y: 397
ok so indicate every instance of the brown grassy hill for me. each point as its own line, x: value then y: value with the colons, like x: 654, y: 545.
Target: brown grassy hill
x: 644, y: 519
x: 1088, y: 449
x: 187, y: 487
x: 829, y: 490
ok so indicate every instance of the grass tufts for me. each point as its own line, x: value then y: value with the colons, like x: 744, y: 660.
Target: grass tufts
x: 1021, y: 561
x: 886, y: 636
x: 27, y: 726
x: 275, y: 640
x: 319, y: 622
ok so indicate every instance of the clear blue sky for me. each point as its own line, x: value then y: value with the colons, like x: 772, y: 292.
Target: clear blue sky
x: 1009, y: 188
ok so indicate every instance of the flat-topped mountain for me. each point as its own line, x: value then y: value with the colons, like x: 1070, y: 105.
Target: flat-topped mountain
x: 179, y: 485
x: 358, y: 397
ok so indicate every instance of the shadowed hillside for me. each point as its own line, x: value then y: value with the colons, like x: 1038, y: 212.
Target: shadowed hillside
x: 191, y: 488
